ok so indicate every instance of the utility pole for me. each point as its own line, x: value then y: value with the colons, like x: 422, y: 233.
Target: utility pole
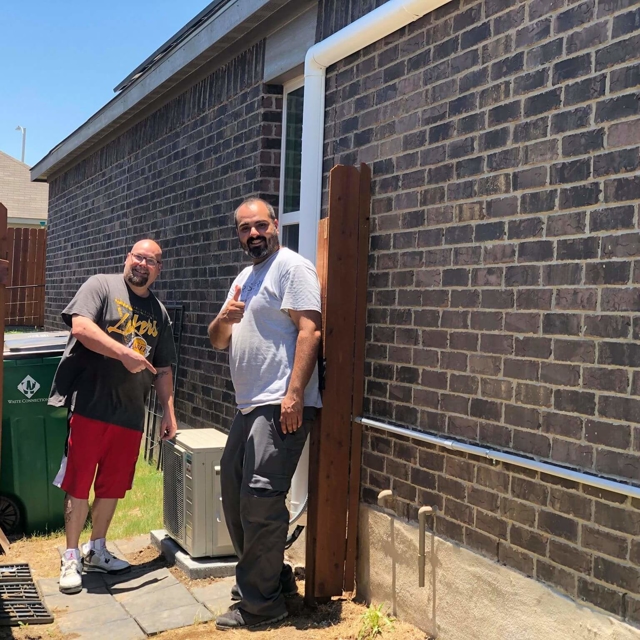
x: 24, y: 140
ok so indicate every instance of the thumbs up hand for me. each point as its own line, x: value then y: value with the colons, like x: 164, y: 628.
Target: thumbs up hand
x: 233, y: 311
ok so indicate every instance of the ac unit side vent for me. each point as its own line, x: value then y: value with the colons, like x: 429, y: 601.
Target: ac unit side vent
x: 173, y: 500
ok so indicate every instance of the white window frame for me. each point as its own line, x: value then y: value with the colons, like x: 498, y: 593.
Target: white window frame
x: 293, y: 217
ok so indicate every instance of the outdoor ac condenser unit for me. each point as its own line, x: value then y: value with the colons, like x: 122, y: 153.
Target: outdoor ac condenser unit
x: 193, y: 514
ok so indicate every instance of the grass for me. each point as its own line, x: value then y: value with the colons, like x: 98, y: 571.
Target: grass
x: 140, y: 511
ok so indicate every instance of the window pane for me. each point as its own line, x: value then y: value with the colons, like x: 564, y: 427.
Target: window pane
x: 290, y: 236
x: 293, y: 151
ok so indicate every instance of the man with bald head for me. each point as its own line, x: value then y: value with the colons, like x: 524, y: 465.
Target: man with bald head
x: 120, y: 344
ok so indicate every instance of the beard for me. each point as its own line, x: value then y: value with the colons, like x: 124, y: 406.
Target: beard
x: 261, y: 247
x: 137, y: 278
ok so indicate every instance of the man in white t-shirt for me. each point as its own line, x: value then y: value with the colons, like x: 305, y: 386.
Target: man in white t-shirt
x: 271, y: 322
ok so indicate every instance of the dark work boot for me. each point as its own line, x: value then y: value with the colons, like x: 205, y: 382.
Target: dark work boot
x: 238, y: 619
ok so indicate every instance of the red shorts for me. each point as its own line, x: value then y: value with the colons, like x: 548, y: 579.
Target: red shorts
x: 92, y: 444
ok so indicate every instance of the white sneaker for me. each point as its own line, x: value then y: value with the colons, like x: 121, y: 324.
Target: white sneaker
x: 103, y: 560
x: 70, y: 575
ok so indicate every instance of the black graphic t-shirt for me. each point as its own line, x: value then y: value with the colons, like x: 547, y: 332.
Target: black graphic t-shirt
x: 102, y: 388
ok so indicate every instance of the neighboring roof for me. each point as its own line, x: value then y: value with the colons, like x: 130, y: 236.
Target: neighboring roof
x: 210, y: 34
x: 24, y: 199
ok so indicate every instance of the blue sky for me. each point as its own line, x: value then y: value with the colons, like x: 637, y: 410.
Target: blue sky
x: 59, y: 61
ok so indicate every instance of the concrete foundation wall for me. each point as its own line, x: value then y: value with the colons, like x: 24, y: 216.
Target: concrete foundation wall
x: 467, y: 596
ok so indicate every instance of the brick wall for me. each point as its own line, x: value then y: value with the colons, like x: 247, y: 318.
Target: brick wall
x: 505, y: 257
x: 177, y: 177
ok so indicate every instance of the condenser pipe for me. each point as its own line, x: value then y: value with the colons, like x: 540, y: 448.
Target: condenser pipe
x: 499, y: 456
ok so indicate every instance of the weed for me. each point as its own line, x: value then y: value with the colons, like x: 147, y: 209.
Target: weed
x: 374, y: 622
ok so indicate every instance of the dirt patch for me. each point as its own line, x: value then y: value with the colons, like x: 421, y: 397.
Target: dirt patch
x: 340, y: 619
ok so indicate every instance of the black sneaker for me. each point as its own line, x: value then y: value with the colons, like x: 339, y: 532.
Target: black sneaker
x: 239, y: 619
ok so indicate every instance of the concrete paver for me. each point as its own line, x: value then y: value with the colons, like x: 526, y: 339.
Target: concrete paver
x: 134, y: 604
x: 216, y: 597
x: 126, y: 629
x: 83, y: 601
x: 158, y: 621
x: 172, y: 597
x: 133, y: 581
x: 76, y: 621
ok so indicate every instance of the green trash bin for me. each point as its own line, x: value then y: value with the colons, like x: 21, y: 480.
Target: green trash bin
x: 33, y: 435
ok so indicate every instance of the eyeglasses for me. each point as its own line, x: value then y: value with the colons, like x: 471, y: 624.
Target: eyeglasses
x: 151, y: 262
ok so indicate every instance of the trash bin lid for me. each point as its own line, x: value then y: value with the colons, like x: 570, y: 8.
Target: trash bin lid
x: 21, y: 344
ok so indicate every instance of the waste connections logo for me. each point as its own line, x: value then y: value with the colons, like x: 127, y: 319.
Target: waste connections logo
x: 28, y: 387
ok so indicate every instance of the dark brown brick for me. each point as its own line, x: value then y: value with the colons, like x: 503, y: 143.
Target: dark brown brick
x: 604, y: 542
x: 605, y: 379
x: 622, y: 576
x: 561, y: 324
x: 566, y: 224
x: 558, y: 525
x: 533, y: 347
x: 451, y: 487
x: 560, y: 374
x: 575, y: 455
x: 534, y: 394
x: 608, y: 326
x: 492, y: 525
x: 522, y: 417
x: 616, y: 463
x: 556, y: 576
x: 529, y: 540
x: 529, y: 490
x: 493, y: 479
x: 570, y: 557
x: 487, y: 500
x: 459, y: 511
x: 570, y: 503
x: 516, y: 559
x: 431, y: 460
x: 616, y: 518
x: 574, y: 351
x: 601, y: 596
x: 608, y: 273
x: 538, y: 299
x: 521, y: 369
x: 562, y: 425
x: 522, y: 322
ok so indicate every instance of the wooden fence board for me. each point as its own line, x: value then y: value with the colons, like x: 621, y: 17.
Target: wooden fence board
x: 331, y: 439
x: 25, y: 291
x: 41, y: 261
x: 358, y: 375
x: 30, y: 293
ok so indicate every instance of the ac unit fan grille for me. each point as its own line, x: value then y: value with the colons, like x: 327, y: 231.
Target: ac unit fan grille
x: 173, y: 499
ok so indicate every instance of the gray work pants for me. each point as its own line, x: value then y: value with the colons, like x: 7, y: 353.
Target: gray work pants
x: 256, y: 470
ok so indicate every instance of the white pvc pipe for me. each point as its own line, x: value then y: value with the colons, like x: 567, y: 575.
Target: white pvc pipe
x: 372, y: 27
x: 499, y: 456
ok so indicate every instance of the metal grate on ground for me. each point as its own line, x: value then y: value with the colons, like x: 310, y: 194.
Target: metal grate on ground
x: 19, y: 591
x: 16, y: 613
x: 15, y: 573
x: 20, y: 601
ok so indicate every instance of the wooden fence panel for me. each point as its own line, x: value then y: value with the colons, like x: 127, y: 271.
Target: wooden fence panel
x: 25, y: 293
x: 333, y: 473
